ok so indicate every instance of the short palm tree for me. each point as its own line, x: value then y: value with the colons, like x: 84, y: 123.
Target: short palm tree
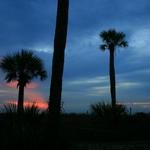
x: 22, y: 67
x: 111, y: 40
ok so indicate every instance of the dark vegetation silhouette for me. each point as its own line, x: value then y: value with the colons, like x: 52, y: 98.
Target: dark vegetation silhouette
x: 111, y: 40
x: 104, y: 110
x: 22, y: 67
x: 76, y: 129
x: 11, y: 108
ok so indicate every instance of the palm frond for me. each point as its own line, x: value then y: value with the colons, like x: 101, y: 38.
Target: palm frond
x: 103, y: 47
x: 123, y: 44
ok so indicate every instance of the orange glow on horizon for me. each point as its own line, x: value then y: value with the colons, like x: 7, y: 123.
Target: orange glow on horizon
x: 41, y: 105
x: 31, y: 97
x: 29, y: 86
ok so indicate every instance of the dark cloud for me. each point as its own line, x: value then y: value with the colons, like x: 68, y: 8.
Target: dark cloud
x: 26, y: 24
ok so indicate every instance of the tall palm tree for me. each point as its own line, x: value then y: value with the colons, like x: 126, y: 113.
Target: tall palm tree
x: 22, y: 67
x: 57, y: 71
x: 111, y: 40
x: 58, y: 58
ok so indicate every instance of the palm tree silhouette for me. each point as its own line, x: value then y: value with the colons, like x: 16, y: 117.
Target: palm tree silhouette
x: 57, y: 72
x: 111, y: 40
x: 58, y: 58
x: 22, y: 67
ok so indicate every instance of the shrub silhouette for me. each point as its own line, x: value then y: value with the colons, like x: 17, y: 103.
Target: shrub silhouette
x: 105, y: 111
x: 32, y: 110
x: 11, y: 108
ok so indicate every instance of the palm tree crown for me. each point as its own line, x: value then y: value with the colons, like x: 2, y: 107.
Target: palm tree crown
x: 114, y: 39
x: 23, y: 67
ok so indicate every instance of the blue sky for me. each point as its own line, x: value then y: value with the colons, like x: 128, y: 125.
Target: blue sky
x: 30, y: 24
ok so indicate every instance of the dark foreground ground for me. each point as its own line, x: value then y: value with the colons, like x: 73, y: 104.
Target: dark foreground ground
x: 136, y: 145
x: 77, y: 132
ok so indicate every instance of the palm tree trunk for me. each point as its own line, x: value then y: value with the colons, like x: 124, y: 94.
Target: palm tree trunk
x: 112, y: 78
x: 58, y: 57
x: 20, y: 109
x: 57, y: 66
